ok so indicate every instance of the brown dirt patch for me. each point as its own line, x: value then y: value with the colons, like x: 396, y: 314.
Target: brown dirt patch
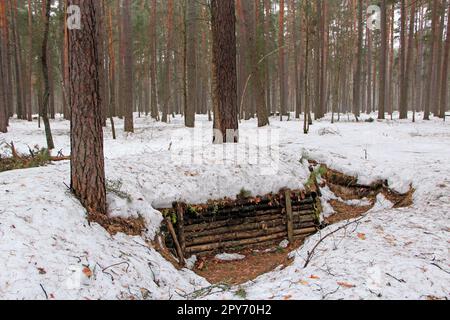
x: 345, y: 212
x: 241, y: 271
x: 400, y: 200
x: 129, y: 226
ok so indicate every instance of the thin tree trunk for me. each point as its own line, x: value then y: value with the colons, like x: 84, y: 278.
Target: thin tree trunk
x: 444, y: 81
x: 128, y: 66
x: 383, y: 62
x: 45, y: 72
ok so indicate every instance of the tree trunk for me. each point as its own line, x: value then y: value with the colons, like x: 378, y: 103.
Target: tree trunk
x: 45, y: 72
x: 281, y: 63
x: 29, y: 108
x: 383, y: 62
x: 409, y: 61
x: 153, y: 66
x: 357, y: 79
x: 432, y: 63
x: 444, y: 81
x: 87, y: 160
x: 191, y: 62
x: 168, y: 62
x: 128, y: 66
x: 223, y: 22
x: 4, y: 113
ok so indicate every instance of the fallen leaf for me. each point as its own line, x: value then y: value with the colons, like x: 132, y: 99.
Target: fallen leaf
x: 303, y: 282
x: 87, y: 272
x: 314, y: 277
x: 362, y: 236
x: 288, y: 297
x: 201, y: 265
x: 346, y: 285
x: 42, y: 271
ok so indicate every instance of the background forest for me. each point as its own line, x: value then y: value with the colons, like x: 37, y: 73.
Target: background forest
x: 293, y: 57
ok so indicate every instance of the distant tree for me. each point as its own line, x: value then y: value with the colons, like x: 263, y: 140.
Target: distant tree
x: 128, y: 66
x: 444, y: 81
x: 191, y: 62
x: 383, y: 62
x: 45, y: 72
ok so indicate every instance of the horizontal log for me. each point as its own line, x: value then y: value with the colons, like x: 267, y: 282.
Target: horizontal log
x: 306, y: 231
x: 236, y: 236
x: 233, y: 244
x: 203, y: 225
x: 304, y: 225
x: 301, y: 209
x: 230, y: 222
x: 264, y: 224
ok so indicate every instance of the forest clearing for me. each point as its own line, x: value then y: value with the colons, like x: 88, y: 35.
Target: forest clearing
x: 44, y: 230
x: 224, y: 150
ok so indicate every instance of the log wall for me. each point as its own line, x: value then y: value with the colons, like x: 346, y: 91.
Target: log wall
x: 233, y: 225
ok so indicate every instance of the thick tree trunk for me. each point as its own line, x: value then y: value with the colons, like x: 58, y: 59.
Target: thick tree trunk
x: 87, y: 160
x: 223, y: 22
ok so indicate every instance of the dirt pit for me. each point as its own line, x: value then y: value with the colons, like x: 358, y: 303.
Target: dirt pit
x: 265, y: 259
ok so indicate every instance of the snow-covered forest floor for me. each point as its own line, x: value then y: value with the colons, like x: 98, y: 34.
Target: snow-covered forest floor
x: 48, y: 250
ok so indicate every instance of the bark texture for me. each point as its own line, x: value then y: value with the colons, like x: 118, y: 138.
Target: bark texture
x: 87, y: 162
x: 223, y: 22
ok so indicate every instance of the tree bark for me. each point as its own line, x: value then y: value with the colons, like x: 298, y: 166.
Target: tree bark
x: 223, y: 22
x: 45, y: 72
x: 383, y: 62
x: 444, y: 81
x: 191, y: 61
x: 281, y: 63
x: 432, y: 62
x: 87, y: 160
x: 128, y: 66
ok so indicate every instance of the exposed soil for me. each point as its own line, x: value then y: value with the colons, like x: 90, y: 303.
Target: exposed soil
x: 256, y: 263
x: 129, y: 226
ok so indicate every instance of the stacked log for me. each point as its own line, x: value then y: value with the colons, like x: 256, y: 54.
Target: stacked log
x: 243, y: 223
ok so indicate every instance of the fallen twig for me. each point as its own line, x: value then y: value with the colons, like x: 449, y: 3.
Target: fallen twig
x: 311, y: 253
x: 117, y: 264
x: 438, y: 266
x: 45, y: 292
x: 399, y: 280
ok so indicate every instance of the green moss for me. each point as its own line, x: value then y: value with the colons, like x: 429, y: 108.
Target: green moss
x: 241, y: 293
x: 244, y: 194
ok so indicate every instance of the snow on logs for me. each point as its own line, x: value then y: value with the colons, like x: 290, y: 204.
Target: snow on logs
x: 243, y: 223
